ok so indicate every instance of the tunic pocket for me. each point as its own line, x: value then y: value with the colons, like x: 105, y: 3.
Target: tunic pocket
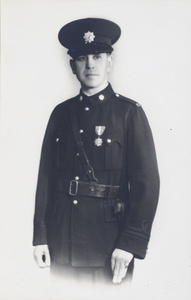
x: 60, y: 153
x: 59, y: 150
x: 63, y: 146
x: 114, y: 150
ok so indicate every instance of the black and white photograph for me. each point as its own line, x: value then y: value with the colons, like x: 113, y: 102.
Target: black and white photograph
x: 95, y: 150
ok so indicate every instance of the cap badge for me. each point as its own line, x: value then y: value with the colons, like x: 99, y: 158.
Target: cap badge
x: 89, y: 37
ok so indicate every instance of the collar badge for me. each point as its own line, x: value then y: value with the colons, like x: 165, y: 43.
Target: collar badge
x: 89, y: 37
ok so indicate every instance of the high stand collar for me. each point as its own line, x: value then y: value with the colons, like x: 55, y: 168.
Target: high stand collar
x: 97, y: 98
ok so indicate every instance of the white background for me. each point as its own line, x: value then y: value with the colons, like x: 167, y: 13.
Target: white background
x: 152, y: 66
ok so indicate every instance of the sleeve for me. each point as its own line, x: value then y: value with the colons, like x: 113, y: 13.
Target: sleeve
x: 44, y: 186
x: 144, y: 186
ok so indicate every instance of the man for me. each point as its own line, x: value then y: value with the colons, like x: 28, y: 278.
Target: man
x: 98, y: 180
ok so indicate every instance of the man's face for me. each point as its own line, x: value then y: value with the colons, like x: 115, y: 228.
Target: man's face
x: 91, y: 70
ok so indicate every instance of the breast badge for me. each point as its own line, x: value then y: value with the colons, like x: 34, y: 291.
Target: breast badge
x: 99, y: 130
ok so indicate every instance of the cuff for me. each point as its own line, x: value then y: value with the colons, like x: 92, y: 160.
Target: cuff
x: 135, y: 245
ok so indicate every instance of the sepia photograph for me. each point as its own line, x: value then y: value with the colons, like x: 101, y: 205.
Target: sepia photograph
x: 95, y: 150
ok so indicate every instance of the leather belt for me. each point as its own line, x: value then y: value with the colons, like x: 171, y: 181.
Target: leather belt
x: 90, y: 189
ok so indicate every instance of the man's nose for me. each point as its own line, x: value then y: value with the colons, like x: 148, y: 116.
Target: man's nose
x: 89, y: 62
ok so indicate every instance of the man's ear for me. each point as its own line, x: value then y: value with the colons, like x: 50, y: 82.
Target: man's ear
x: 72, y: 65
x: 110, y: 62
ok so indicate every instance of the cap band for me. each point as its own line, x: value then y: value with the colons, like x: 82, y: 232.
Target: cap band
x: 92, y: 48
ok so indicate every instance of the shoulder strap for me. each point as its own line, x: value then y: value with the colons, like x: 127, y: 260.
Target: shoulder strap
x: 80, y: 148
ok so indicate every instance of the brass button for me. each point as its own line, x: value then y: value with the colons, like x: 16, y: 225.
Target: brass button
x: 87, y: 108
x: 101, y: 97
x: 75, y: 202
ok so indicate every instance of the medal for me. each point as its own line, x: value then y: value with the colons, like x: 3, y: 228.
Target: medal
x: 99, y: 130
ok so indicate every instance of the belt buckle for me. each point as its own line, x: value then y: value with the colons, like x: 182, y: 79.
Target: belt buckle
x: 73, y: 185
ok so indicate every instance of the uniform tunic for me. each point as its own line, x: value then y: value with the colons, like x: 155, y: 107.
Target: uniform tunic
x: 81, y: 230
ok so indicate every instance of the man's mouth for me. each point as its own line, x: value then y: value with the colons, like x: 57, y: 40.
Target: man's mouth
x: 91, y: 74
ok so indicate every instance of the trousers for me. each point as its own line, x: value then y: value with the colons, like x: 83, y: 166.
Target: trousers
x: 87, y: 283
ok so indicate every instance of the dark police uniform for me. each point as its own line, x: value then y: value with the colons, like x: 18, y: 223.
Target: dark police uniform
x: 83, y: 221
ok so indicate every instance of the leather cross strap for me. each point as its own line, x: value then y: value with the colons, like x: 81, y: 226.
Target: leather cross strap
x: 80, y: 148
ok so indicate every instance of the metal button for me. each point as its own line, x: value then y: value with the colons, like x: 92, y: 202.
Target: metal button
x: 77, y: 178
x: 101, y: 97
x: 109, y: 141
x: 81, y: 98
x: 57, y: 140
x: 75, y: 202
x: 87, y: 108
x: 77, y: 154
x: 81, y: 131
x: 117, y: 95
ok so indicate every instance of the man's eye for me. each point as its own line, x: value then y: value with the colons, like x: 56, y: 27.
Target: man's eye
x: 81, y: 58
x: 97, y: 56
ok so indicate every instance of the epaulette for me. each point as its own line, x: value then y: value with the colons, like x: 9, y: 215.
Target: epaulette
x: 134, y: 103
